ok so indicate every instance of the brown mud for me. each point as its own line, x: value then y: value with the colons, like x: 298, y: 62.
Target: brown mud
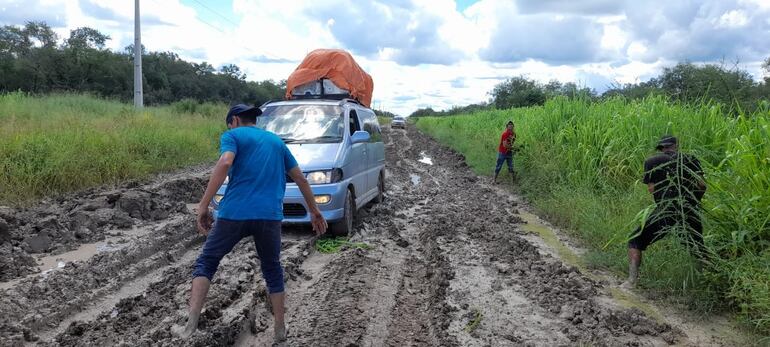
x: 449, y: 262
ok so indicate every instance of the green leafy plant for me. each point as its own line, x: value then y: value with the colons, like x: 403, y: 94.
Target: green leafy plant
x: 335, y: 244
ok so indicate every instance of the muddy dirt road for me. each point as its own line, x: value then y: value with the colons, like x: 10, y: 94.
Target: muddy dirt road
x: 449, y: 264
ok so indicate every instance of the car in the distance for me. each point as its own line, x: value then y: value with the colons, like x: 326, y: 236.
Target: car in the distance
x: 398, y: 122
x: 338, y: 146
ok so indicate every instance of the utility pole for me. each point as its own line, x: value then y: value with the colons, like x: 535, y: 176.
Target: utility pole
x: 138, y: 94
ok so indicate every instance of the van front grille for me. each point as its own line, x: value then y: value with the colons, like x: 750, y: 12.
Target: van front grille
x: 294, y: 210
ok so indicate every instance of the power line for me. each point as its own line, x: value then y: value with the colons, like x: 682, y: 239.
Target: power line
x: 231, y: 22
x: 205, y: 22
x: 215, y: 12
x: 247, y: 47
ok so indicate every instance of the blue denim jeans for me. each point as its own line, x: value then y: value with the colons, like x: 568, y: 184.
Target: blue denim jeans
x: 227, y: 233
x: 501, y: 157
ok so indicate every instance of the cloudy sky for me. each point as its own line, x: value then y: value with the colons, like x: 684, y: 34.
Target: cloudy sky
x: 435, y: 53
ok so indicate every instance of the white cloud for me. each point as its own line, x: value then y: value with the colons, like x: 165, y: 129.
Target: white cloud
x: 733, y: 19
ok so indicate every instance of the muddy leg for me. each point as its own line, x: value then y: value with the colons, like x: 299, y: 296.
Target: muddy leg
x: 634, y: 261
x: 200, y: 287
x: 277, y: 301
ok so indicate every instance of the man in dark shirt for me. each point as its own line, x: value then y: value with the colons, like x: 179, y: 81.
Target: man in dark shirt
x: 504, y: 150
x: 675, y: 181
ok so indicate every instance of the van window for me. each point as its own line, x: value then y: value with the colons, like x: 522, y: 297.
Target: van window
x: 304, y: 123
x: 354, y: 124
x: 372, y: 126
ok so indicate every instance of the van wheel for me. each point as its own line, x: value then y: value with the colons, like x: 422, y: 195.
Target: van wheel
x: 380, y: 190
x: 345, y: 226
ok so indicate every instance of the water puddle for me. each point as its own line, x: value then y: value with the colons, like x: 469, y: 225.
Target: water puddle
x: 83, y: 253
x: 415, y: 179
x: 536, y: 226
x: 117, y: 240
x: 425, y: 159
x: 570, y: 257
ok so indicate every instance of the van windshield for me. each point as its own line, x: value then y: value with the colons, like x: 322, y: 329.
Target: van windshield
x: 304, y: 123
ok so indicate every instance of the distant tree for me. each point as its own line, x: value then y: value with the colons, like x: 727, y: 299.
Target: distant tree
x: 86, y: 37
x: 423, y: 112
x: 32, y: 60
x: 233, y: 71
x: 555, y: 88
x: 691, y: 83
x: 129, y: 50
x: 381, y: 113
x: 518, y: 92
x: 633, y: 91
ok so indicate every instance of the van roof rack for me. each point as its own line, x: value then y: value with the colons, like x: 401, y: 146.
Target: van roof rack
x: 317, y: 97
x: 350, y: 100
x: 321, y: 96
x: 269, y: 102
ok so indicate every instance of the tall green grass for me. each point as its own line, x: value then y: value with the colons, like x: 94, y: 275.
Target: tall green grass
x: 60, y: 143
x: 581, y: 164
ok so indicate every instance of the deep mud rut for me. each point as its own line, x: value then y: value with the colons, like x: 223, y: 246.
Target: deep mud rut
x: 448, y: 264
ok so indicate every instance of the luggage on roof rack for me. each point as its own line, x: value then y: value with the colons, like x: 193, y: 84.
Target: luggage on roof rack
x: 330, y: 74
x: 323, y: 88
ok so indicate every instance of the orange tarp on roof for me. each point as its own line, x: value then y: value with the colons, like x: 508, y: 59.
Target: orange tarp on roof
x: 338, y: 66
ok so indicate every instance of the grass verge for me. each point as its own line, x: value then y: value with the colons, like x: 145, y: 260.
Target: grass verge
x: 62, y: 143
x: 580, y: 164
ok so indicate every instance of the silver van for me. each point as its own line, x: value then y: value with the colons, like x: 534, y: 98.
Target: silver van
x: 338, y: 146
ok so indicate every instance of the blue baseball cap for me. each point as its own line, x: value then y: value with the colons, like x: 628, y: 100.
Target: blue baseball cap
x: 242, y: 109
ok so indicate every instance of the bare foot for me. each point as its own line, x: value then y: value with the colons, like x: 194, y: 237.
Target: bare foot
x: 280, y: 336
x: 182, y: 331
x: 628, y: 285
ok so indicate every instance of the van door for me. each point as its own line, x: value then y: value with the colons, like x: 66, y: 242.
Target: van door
x: 375, y: 149
x: 359, y: 157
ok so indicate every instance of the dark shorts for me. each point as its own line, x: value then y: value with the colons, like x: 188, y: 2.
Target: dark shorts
x: 227, y: 233
x: 665, y: 220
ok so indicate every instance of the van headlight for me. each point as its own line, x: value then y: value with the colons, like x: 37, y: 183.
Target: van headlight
x: 324, y: 176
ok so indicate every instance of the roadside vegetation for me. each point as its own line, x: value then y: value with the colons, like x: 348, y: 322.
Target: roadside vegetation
x: 580, y: 164
x: 685, y: 82
x: 34, y: 59
x: 62, y: 143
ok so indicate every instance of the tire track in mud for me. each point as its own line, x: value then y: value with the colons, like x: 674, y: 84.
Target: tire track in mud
x: 504, y: 291
x: 447, y: 266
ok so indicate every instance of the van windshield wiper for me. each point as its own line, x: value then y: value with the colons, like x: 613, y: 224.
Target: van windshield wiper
x: 288, y: 140
x: 320, y: 139
x: 328, y: 137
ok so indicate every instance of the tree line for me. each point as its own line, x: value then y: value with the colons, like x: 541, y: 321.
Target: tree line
x: 685, y: 82
x: 33, y: 59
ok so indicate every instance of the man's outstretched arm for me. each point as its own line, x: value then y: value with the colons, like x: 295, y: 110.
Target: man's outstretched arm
x: 316, y: 218
x: 218, y: 176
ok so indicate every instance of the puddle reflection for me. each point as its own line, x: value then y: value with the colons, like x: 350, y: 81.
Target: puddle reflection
x: 425, y: 159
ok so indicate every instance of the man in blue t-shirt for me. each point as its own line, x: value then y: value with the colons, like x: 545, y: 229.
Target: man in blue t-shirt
x: 257, y: 162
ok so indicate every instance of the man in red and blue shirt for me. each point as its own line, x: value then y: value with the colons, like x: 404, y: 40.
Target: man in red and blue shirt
x: 504, y: 150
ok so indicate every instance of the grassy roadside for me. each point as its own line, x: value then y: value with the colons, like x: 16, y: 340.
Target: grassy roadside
x: 61, y: 143
x: 580, y: 164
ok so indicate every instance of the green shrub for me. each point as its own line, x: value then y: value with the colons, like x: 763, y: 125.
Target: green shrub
x: 581, y: 163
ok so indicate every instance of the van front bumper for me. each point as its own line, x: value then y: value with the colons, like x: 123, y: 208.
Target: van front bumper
x: 295, y: 209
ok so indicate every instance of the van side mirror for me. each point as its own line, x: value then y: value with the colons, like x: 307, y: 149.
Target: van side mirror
x: 360, y: 136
